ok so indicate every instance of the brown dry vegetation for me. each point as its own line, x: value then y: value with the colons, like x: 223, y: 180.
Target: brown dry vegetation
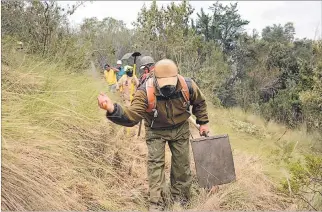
x: 60, y: 153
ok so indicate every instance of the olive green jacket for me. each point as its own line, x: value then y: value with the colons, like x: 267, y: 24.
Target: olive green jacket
x: 171, y: 112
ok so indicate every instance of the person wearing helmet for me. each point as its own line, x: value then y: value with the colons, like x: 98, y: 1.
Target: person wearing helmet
x: 146, y: 68
x: 110, y: 76
x: 120, y: 70
x: 164, y: 102
x: 124, y: 84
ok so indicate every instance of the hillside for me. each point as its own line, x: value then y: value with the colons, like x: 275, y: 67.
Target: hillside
x: 60, y: 153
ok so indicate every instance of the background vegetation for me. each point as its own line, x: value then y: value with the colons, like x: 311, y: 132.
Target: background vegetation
x: 257, y: 83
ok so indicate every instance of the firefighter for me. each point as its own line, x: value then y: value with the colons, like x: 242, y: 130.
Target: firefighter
x: 163, y: 101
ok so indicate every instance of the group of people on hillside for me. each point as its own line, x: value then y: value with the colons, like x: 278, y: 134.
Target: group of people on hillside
x: 121, y: 77
x: 163, y: 99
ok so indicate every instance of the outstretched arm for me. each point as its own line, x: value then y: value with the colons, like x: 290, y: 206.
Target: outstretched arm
x: 125, y: 116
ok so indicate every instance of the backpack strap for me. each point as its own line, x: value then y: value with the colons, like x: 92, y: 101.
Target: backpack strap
x: 150, y: 92
x: 189, y: 84
x: 185, y: 88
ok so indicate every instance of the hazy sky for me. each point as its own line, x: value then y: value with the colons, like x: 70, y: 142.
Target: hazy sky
x: 306, y: 15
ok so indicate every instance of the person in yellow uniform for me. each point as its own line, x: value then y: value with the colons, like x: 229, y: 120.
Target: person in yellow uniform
x: 124, y: 85
x: 110, y: 76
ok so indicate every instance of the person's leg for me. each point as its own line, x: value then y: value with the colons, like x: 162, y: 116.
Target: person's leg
x: 156, y: 162
x: 113, y: 88
x: 180, y: 176
x: 109, y: 88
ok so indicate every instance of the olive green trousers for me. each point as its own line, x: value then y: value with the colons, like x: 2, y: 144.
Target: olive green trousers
x: 180, y: 176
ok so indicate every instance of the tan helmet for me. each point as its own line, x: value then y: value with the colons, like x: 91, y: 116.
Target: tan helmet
x: 166, y: 72
x: 146, y: 60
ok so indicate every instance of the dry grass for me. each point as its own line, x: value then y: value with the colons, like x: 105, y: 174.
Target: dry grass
x: 269, y: 140
x: 60, y: 153
x: 253, y: 190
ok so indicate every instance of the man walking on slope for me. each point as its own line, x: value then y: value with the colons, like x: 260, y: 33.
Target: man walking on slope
x: 163, y: 102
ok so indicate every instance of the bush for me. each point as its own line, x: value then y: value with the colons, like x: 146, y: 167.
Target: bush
x: 305, y: 181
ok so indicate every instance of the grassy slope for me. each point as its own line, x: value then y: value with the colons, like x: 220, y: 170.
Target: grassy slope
x: 59, y: 152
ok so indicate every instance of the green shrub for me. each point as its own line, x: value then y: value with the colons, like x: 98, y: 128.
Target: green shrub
x: 305, y: 181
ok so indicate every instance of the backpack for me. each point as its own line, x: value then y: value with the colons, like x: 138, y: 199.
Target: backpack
x: 150, y: 92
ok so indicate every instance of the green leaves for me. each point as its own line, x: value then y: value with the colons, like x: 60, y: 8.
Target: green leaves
x: 224, y: 26
x: 305, y: 180
x: 279, y: 33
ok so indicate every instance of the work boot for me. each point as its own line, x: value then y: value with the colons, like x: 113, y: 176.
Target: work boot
x: 183, y: 202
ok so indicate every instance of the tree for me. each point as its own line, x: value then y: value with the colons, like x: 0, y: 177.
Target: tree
x: 203, y: 25
x: 163, y: 32
x: 109, y: 39
x: 227, y: 25
x: 36, y: 23
x: 279, y: 33
x: 311, y: 98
